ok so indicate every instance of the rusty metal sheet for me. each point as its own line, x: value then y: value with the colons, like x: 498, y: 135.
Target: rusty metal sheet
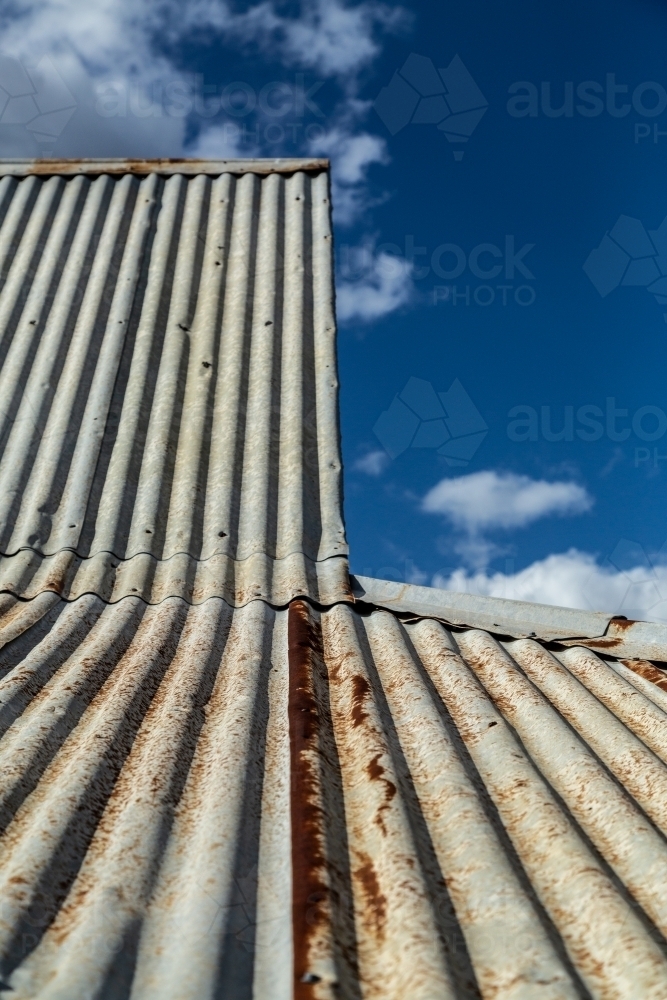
x: 516, y: 618
x: 630, y: 639
x: 595, y: 630
x: 202, y: 801
x: 166, y: 166
x: 168, y: 382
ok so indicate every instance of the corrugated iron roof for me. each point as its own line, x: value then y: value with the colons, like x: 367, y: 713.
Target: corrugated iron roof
x: 168, y: 380
x: 224, y: 773
x: 201, y: 802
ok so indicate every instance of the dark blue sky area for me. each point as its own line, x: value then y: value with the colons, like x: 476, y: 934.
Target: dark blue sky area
x: 559, y: 183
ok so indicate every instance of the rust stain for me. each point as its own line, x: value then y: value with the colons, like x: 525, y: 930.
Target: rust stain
x: 622, y: 623
x: 72, y: 167
x: 309, y: 887
x: 376, y: 773
x: 602, y: 643
x: 360, y: 691
x: 377, y: 901
x: 648, y: 671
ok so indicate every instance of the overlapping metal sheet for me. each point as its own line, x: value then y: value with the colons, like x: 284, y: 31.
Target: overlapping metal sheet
x: 202, y: 802
x: 220, y: 774
x: 168, y: 382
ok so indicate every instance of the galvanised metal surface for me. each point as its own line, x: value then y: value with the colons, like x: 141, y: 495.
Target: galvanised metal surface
x: 605, y: 633
x: 202, y: 802
x: 168, y: 382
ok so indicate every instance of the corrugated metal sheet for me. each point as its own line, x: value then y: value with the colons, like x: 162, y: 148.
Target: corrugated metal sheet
x: 168, y: 382
x: 209, y: 788
x: 200, y: 802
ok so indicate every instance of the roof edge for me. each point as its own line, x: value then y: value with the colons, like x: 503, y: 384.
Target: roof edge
x: 184, y: 165
x: 604, y: 633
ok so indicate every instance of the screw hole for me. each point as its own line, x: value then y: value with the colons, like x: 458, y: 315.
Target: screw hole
x: 222, y: 534
x: 268, y: 323
x: 206, y: 364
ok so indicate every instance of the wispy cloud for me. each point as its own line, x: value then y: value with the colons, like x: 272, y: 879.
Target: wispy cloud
x: 487, y: 500
x: 572, y: 579
x: 372, y: 284
x: 373, y: 464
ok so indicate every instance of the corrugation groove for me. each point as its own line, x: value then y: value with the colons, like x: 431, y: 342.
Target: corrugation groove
x: 201, y: 801
x: 169, y: 423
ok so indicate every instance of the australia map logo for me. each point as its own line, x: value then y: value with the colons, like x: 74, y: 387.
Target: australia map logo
x: 631, y: 256
x: 36, y: 98
x: 420, y: 94
x: 420, y: 417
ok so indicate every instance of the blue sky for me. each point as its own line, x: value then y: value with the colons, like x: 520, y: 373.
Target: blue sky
x: 528, y: 268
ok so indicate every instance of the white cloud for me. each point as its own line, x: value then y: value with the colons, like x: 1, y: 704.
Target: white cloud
x: 372, y: 284
x: 328, y: 36
x: 373, y: 464
x: 486, y: 500
x: 573, y: 579
x: 352, y: 154
x: 121, y: 43
x: 131, y: 99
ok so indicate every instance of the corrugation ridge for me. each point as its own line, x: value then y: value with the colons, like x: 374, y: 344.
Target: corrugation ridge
x: 290, y: 514
x: 628, y: 759
x: 38, y: 338
x: 55, y: 709
x: 149, y: 516
x: 67, y: 523
x: 47, y: 841
x: 632, y: 706
x: 596, y: 804
x: 211, y: 857
x: 20, y: 239
x: 114, y: 450
x: 17, y: 200
x: 118, y: 497
x: 29, y: 574
x: 186, y: 507
x: 226, y: 452
x: 256, y: 471
x: 326, y: 372
x: 389, y: 884
x: 43, y: 491
x: 502, y: 926
x: 131, y: 836
x: 648, y: 687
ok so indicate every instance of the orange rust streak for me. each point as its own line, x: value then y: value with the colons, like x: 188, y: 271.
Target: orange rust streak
x: 360, y: 690
x: 309, y: 890
x: 377, y: 901
x: 648, y: 671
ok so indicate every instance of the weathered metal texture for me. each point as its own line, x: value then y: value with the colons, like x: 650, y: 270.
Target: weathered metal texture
x: 617, y: 637
x: 200, y: 801
x: 168, y: 385
x: 71, y: 168
x: 521, y: 619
